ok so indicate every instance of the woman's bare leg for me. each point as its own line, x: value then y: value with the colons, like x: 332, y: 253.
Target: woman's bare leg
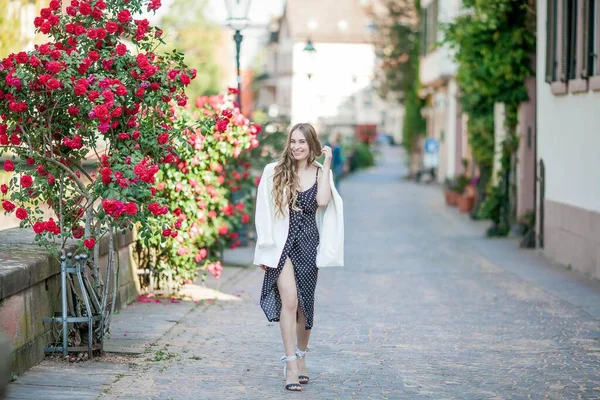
x: 303, y: 336
x: 286, y: 283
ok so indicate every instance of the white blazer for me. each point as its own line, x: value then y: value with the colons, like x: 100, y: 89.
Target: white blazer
x: 272, y: 229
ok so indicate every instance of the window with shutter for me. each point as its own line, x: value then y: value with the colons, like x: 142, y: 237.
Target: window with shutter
x: 573, y: 45
x: 434, y: 23
x: 594, y: 44
x: 560, y: 21
x: 592, y: 41
x: 551, y: 41
x: 571, y: 60
x: 423, y: 31
x: 585, y: 38
x: 578, y: 40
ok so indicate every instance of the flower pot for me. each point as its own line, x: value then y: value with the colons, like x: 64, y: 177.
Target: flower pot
x: 447, y: 197
x: 470, y: 191
x: 451, y: 198
x: 466, y: 203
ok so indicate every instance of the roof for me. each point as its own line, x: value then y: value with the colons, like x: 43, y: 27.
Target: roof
x: 328, y: 21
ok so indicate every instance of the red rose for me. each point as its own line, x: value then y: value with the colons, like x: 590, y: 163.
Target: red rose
x: 255, y: 129
x: 131, y: 208
x: 116, y: 113
x: 164, y: 138
x: 55, y: 5
x: 166, y: 232
x: 80, y: 90
x: 101, y: 112
x: 21, y: 213
x: 51, y: 226
x: 85, y: 9
x: 22, y: 57
x: 26, y: 181
x: 124, y: 16
x: 112, y: 27
x: 39, y: 227
x: 9, y: 166
x: 53, y: 84
x: 94, y: 55
x: 121, y: 49
x: 73, y: 111
x: 8, y: 206
x: 154, y: 5
x: 223, y: 230
x: 185, y: 79
x: 245, y: 218
x: 77, y: 232
x: 53, y: 67
x: 4, y: 189
x: 89, y: 243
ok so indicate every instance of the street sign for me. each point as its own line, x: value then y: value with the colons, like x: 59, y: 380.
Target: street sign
x: 431, y: 145
x: 431, y: 158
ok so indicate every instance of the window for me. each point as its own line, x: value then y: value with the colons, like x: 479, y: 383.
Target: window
x: 572, y: 45
x: 429, y: 27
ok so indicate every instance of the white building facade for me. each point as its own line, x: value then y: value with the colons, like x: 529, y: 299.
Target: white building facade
x: 568, y: 115
x: 332, y: 86
x: 436, y: 73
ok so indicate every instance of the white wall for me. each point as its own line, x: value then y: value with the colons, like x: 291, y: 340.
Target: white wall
x: 568, y: 136
x: 451, y: 128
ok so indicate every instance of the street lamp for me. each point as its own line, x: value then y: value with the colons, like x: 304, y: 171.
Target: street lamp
x: 310, y: 52
x: 237, y: 20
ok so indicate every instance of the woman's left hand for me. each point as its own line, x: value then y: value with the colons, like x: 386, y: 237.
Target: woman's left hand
x: 326, y: 151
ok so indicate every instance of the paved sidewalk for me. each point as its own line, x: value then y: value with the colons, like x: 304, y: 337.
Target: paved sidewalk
x: 426, y: 308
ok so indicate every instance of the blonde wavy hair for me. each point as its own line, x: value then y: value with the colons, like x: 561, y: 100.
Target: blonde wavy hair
x: 285, y: 180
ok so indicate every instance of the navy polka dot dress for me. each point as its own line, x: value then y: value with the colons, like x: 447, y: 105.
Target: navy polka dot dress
x: 301, y: 247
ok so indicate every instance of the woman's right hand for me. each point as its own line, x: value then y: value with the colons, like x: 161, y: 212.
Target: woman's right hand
x: 263, y: 267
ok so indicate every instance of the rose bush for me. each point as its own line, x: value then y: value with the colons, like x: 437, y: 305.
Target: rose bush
x: 207, y: 190
x: 85, y: 122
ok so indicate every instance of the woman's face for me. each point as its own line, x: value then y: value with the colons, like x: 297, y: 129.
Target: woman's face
x: 299, y: 146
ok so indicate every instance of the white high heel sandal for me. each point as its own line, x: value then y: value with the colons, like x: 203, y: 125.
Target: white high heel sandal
x: 294, y: 387
x: 303, y: 379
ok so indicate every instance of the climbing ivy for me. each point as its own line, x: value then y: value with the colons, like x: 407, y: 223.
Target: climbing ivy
x: 493, y: 43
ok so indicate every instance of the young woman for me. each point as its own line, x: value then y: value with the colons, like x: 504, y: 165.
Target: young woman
x: 300, y: 228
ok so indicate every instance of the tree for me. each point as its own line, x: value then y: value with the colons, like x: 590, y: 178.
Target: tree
x: 397, y: 46
x: 188, y: 30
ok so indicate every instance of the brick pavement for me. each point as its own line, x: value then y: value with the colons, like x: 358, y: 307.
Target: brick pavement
x: 424, y: 309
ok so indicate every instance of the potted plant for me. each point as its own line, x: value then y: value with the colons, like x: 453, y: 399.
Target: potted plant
x: 450, y: 193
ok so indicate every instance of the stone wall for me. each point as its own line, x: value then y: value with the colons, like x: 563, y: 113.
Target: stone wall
x: 30, y: 291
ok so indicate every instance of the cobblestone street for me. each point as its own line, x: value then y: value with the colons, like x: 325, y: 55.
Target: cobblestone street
x: 426, y: 308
